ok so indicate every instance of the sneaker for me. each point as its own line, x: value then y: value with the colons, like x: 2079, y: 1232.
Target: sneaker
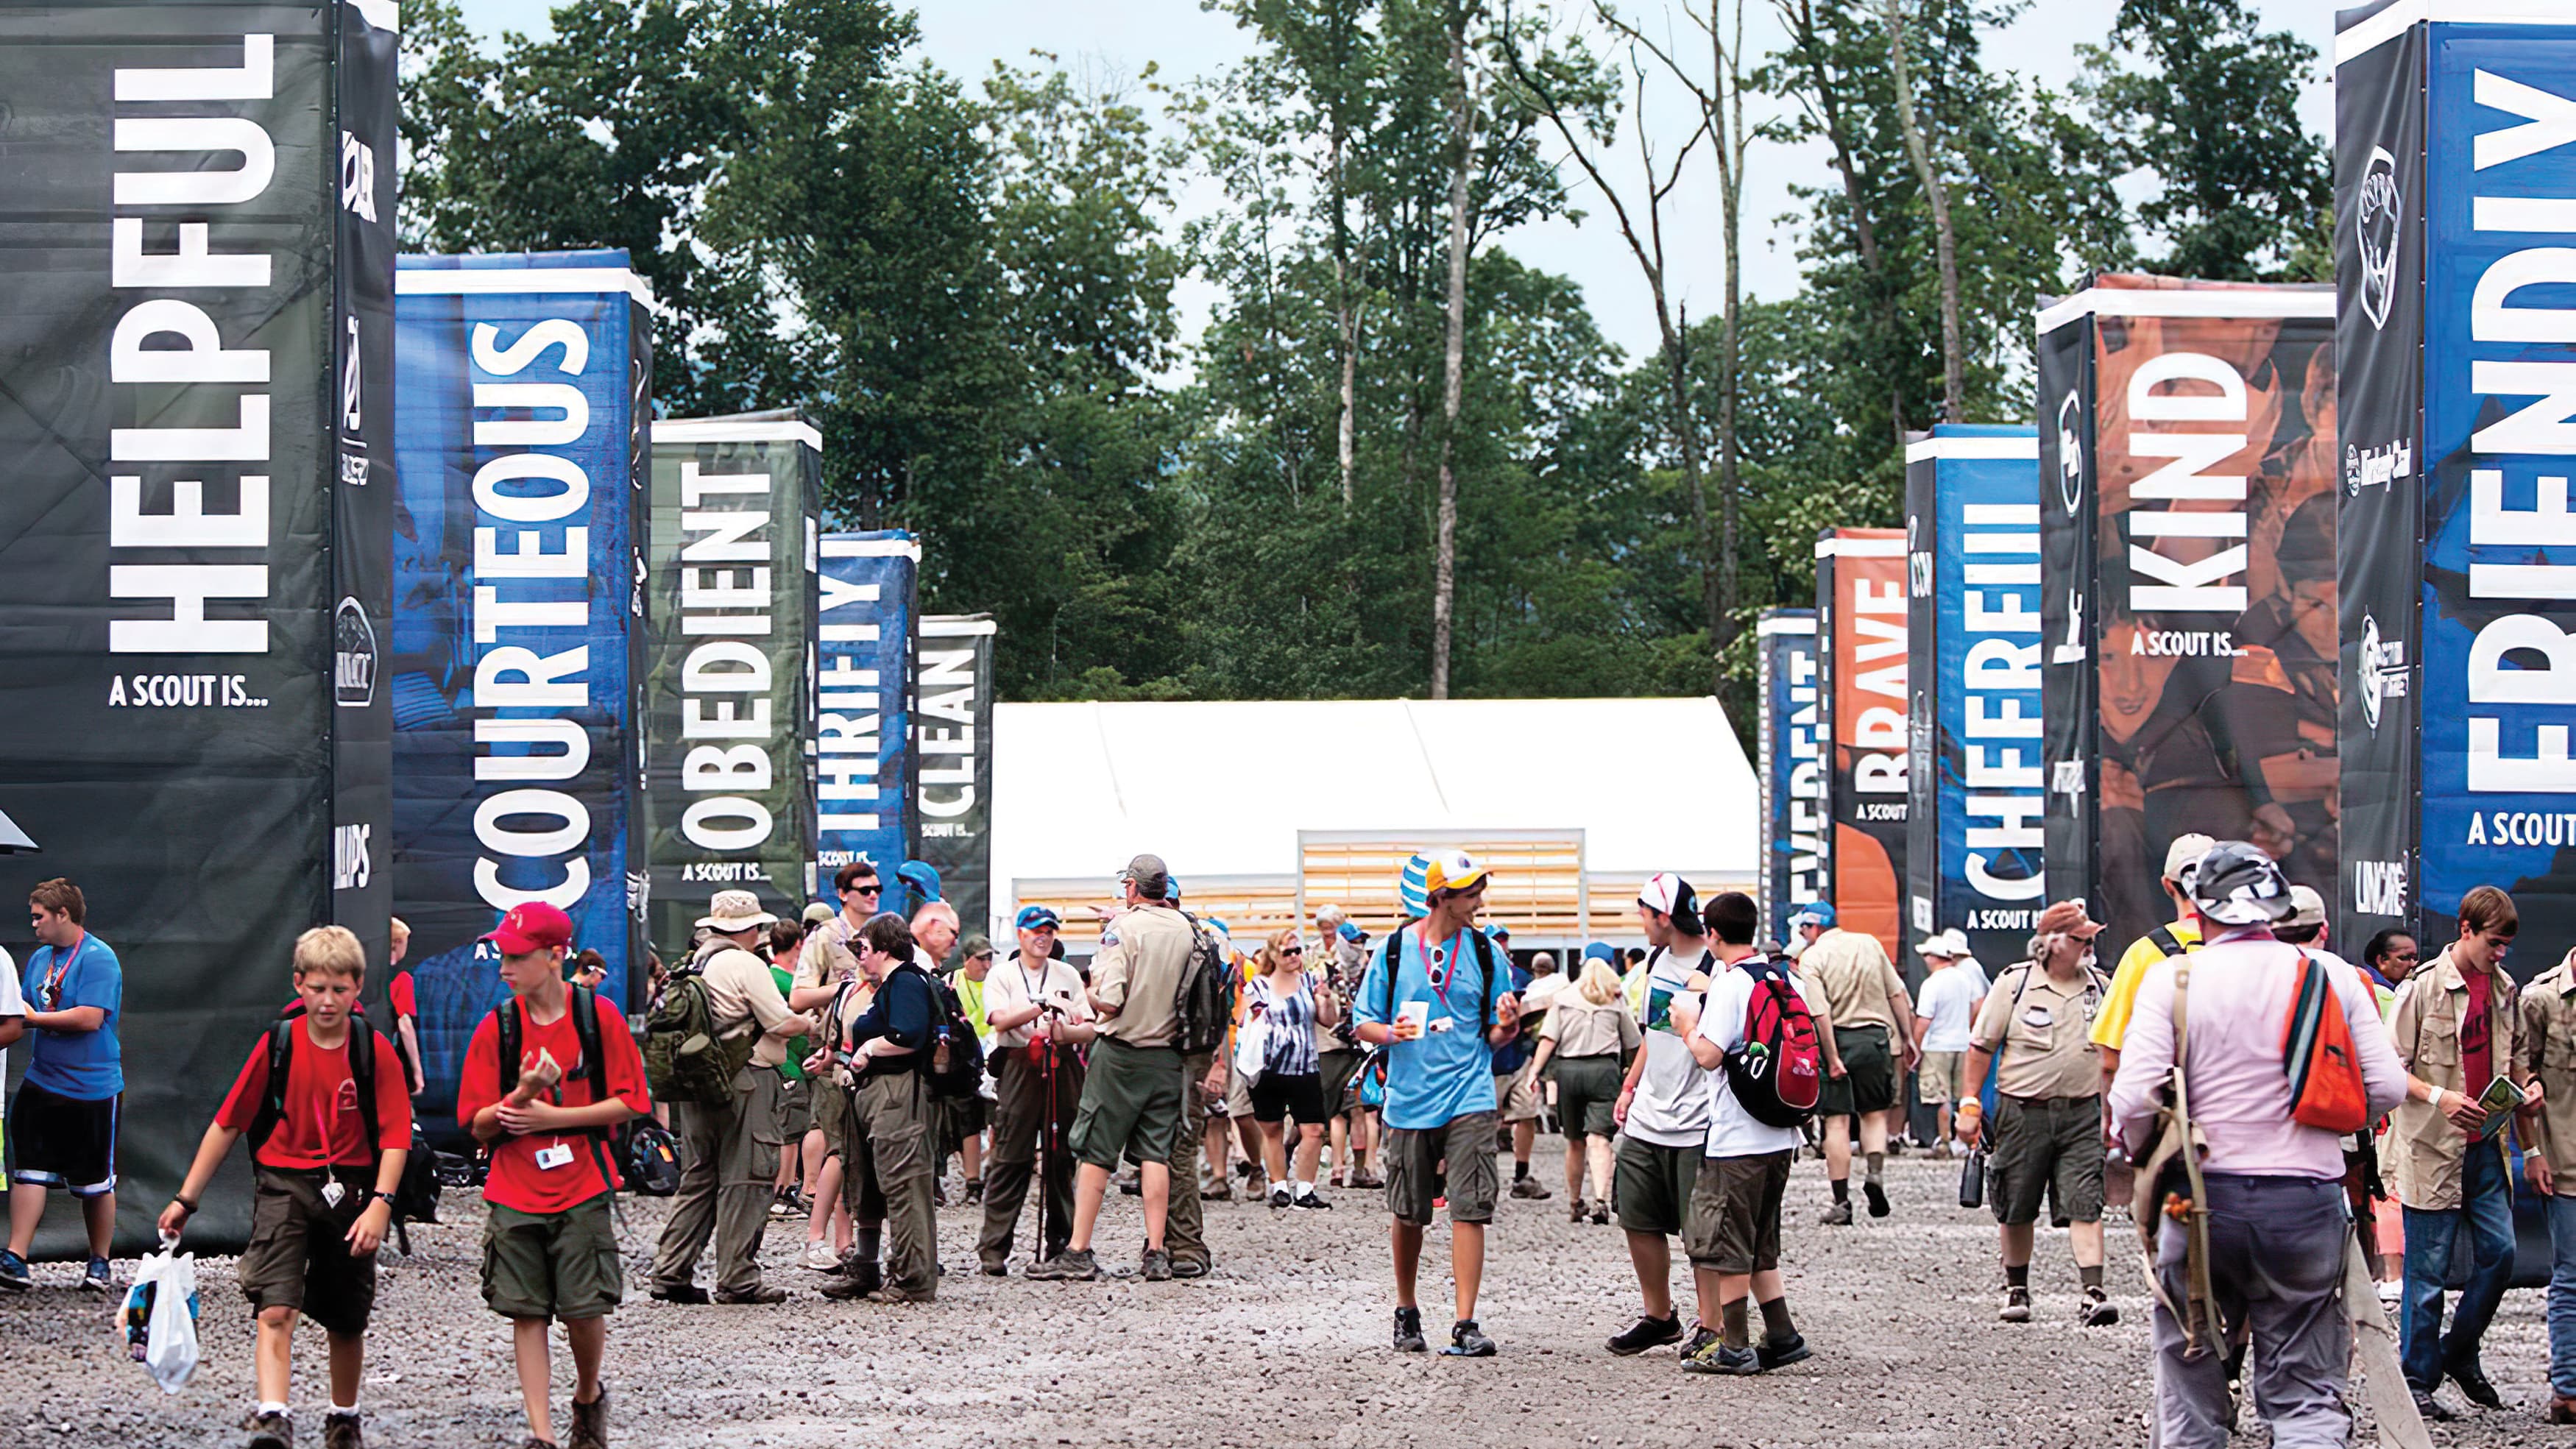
x: 1717, y: 1358
x: 2562, y: 1410
x: 819, y: 1256
x: 1468, y: 1341
x: 1532, y: 1189
x: 783, y: 1204
x: 680, y: 1293
x: 99, y: 1280
x: 1877, y: 1196
x: 1837, y: 1216
x: 1072, y: 1265
x: 994, y: 1267
x: 2098, y: 1310
x: 765, y: 1293
x: 1222, y: 1192
x: 1701, y: 1336
x: 1577, y: 1212
x: 270, y: 1429
x: 1155, y: 1266
x: 340, y: 1430
x: 1313, y: 1200
x: 1408, y: 1331
x: 14, y: 1273
x: 974, y: 1192
x: 2432, y: 1410
x: 1600, y: 1216
x: 2016, y: 1306
x: 1647, y: 1333
x: 2473, y: 1385
x: 1279, y: 1197
x: 1189, y: 1267
x: 1774, y: 1353
x: 1133, y: 1185
x: 1363, y: 1180
x: 2392, y: 1294
x: 589, y: 1423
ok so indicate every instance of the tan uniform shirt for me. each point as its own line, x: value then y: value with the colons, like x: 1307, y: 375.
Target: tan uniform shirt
x: 744, y: 998
x: 828, y: 958
x: 1138, y: 975
x: 1581, y: 1029
x: 1857, y: 978
x: 2548, y: 1051
x: 2045, y: 1031
x: 1009, y: 989
x: 2426, y: 1028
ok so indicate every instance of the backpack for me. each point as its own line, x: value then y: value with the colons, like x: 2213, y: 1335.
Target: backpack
x: 415, y: 1198
x: 684, y: 1060
x: 2326, y: 1090
x: 954, y: 1062
x: 651, y: 1156
x: 584, y: 1004
x: 1778, y: 1074
x: 1205, y: 1001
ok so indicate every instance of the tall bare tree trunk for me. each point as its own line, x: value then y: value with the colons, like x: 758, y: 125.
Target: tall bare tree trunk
x: 1727, y: 69
x: 1444, y: 580
x: 1945, y: 241
x: 1345, y: 324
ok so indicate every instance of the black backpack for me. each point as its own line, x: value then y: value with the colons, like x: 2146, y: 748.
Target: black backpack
x: 651, y: 1157
x: 954, y: 1061
x: 512, y: 1018
x: 1205, y: 1002
x: 415, y: 1199
x: 1389, y: 955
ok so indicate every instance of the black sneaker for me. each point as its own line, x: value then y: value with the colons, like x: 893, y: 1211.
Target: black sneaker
x: 1408, y: 1331
x: 1279, y: 1197
x: 1155, y: 1266
x: 2474, y: 1386
x: 2100, y: 1312
x: 1837, y: 1216
x: 2016, y: 1307
x: 1877, y: 1196
x: 1647, y: 1333
x: 680, y: 1293
x: 15, y: 1276
x: 1313, y: 1201
x: 1717, y: 1358
x: 342, y: 1429
x: 1774, y: 1353
x: 1074, y: 1265
x: 270, y: 1429
x: 1468, y: 1341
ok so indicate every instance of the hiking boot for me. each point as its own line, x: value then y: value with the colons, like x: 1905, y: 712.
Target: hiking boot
x: 270, y: 1429
x: 533, y: 1442
x: 2562, y: 1410
x: 1877, y: 1196
x: 1155, y: 1266
x: 2474, y: 1386
x: 1279, y: 1197
x: 680, y: 1293
x: 2432, y: 1410
x: 1313, y: 1201
x: 1600, y: 1216
x: 1074, y: 1265
x: 1837, y: 1216
x: 974, y: 1192
x: 865, y: 1277
x: 1646, y: 1333
x: 1468, y: 1341
x: 2016, y: 1306
x: 15, y: 1276
x: 340, y: 1430
x: 1577, y: 1212
x: 1222, y: 1192
x: 97, y: 1279
x: 1408, y: 1331
x: 1366, y: 1181
x: 1701, y: 1336
x: 819, y: 1256
x: 1190, y: 1267
x: 765, y: 1293
x: 1532, y: 1189
x: 995, y: 1267
x: 1717, y: 1358
x: 2098, y: 1310
x: 1774, y: 1353
x: 589, y: 1423
x: 891, y: 1294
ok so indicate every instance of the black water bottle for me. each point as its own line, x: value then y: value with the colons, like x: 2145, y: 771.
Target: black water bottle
x: 1972, y: 1180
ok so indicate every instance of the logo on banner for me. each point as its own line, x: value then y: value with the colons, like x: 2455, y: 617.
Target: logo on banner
x: 2071, y: 649
x: 353, y: 656
x: 2383, y: 669
x: 2377, y: 467
x: 357, y: 177
x: 352, y: 383
x: 2379, y: 887
x: 2070, y: 453
x: 639, y: 892
x: 2375, y: 227
x: 350, y: 867
x: 2067, y: 778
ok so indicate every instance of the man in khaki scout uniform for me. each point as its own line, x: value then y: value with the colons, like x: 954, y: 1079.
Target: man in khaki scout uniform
x: 1131, y: 1099
x: 2456, y: 1028
x: 2547, y: 1041
x: 729, y: 1154
x: 2037, y: 1024
x: 1873, y: 1027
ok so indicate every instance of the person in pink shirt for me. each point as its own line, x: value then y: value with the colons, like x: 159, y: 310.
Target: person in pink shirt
x: 2277, y: 1221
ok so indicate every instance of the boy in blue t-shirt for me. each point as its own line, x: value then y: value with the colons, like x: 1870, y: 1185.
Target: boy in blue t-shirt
x: 62, y: 1126
x: 1447, y: 982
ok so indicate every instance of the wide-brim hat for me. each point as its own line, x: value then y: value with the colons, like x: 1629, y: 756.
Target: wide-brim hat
x: 731, y: 911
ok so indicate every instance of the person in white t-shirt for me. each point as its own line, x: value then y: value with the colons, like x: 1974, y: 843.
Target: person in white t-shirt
x: 1662, y: 1111
x: 13, y: 1020
x: 1734, y: 1232
x: 1944, y: 1009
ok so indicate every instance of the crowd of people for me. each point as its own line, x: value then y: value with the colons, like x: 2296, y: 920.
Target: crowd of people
x: 833, y: 1066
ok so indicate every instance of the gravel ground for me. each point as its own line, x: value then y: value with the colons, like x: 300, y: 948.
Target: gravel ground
x: 1286, y: 1343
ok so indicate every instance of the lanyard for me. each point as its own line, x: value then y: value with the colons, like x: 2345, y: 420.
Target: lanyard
x: 1449, y: 954
x: 51, y: 992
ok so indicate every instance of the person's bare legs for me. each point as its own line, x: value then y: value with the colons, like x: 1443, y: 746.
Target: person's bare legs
x: 273, y: 1355
x: 2086, y: 1240
x: 26, y: 1209
x: 1310, y: 1152
x: 1274, y: 1152
x: 1838, y: 1149
x: 1407, y: 1239
x: 1247, y: 1135
x: 348, y: 1370
x: 2017, y: 1240
x: 1873, y: 1133
x: 1467, y: 1264
x: 589, y: 1338
x: 1604, y: 1166
x: 970, y: 1153
x: 1089, y: 1182
x: 1341, y: 1130
x: 1524, y: 1139
x: 98, y: 1214
x: 528, y: 1345
x: 1652, y: 1256
x: 823, y: 1199
x: 1574, y: 1168
x: 1215, y: 1134
x: 1157, y: 1181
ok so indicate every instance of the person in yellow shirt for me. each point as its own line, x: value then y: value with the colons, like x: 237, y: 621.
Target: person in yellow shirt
x: 2111, y: 1027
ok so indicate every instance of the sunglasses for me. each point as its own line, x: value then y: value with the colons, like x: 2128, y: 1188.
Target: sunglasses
x: 1293, y: 951
x: 867, y: 890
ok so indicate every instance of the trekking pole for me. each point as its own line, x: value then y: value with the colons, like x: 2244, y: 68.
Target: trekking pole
x: 1046, y: 1136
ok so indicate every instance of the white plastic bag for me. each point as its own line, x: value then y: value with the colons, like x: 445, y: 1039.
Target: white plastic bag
x: 161, y: 1317
x: 1252, y: 1045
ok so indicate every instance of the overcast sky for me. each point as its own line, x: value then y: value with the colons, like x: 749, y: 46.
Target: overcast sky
x: 1116, y: 38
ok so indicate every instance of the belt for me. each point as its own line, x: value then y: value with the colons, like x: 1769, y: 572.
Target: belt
x: 2090, y: 1099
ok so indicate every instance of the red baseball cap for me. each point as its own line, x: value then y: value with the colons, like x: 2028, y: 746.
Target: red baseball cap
x: 531, y: 926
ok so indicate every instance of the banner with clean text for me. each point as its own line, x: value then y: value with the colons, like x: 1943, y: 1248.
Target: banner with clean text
x: 1791, y: 768
x: 863, y: 735
x: 1975, y: 782
x: 2212, y: 446
x: 953, y: 729
x: 193, y: 523
x: 729, y: 688
x: 518, y: 621
x: 2067, y: 685
x: 1861, y: 657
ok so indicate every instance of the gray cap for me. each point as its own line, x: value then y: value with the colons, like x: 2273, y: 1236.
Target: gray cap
x: 1149, y: 875
x: 2307, y: 908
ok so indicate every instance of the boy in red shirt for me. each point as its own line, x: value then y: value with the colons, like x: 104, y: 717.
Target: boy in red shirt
x: 324, y: 1192
x: 549, y: 1246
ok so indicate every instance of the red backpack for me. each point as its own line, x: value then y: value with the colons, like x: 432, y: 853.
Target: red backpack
x: 1779, y: 1072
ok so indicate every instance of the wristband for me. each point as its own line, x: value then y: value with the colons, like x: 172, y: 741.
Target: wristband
x: 183, y: 1202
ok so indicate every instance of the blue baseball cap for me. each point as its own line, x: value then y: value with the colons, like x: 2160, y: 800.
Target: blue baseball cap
x: 1499, y: 931
x: 922, y: 876
x: 1034, y: 917
x: 1352, y: 932
x: 1814, y: 913
x: 1217, y: 924
x: 1601, y: 951
x: 1171, y: 890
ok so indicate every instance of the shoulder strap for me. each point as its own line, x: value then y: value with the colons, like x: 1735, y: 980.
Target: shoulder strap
x: 362, y: 1075
x: 585, y: 1023
x: 1390, y: 958
x: 1485, y: 960
x: 2165, y: 942
x: 280, y: 1041
x: 511, y: 1032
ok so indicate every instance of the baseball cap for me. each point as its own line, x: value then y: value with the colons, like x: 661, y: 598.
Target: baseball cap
x: 1034, y: 918
x: 2307, y: 908
x: 2185, y: 853
x: 922, y: 876
x: 531, y: 926
x: 1949, y: 945
x: 1671, y: 895
x: 974, y: 945
x: 1814, y: 913
x: 1500, y: 932
x: 2067, y: 918
x: 1146, y: 871
x: 818, y: 913
x: 1352, y: 932
x: 1452, y: 870
x: 2236, y: 884
x: 1601, y: 951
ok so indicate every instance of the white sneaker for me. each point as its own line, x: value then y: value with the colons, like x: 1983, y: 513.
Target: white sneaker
x: 2392, y: 1294
x: 819, y: 1256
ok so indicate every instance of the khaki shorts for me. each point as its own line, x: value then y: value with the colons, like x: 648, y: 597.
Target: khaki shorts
x: 1238, y: 1092
x: 1413, y: 1178
x: 1131, y: 1103
x: 796, y: 1105
x: 1936, y: 1082
x: 1735, y: 1213
x: 552, y: 1265
x: 2050, y: 1146
x: 299, y: 1254
x: 1653, y: 1185
x: 1868, y: 1083
x: 1516, y: 1095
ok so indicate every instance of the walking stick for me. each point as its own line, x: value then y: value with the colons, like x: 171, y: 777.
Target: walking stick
x: 1046, y: 1133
